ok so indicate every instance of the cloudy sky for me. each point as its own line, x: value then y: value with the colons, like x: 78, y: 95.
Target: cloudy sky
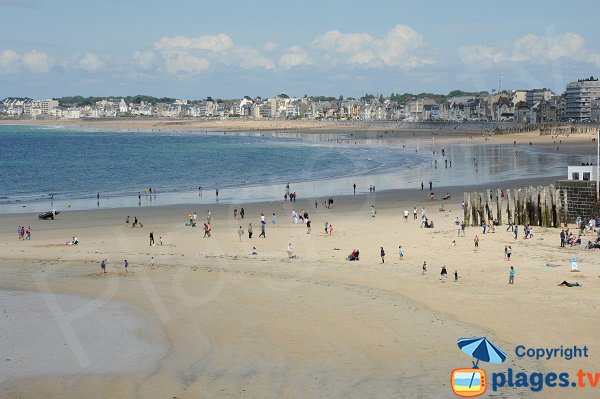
x: 225, y: 48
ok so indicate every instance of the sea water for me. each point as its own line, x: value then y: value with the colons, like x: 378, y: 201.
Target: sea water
x: 73, y: 166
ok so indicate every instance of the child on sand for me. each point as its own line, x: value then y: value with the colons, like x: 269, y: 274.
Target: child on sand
x: 476, y: 241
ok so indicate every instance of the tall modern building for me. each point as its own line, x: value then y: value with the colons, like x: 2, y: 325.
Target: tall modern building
x: 578, y: 99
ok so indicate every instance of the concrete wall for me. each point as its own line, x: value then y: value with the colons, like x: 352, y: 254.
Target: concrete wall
x: 580, y: 198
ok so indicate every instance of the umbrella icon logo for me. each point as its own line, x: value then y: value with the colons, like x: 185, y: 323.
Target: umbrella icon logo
x: 470, y: 382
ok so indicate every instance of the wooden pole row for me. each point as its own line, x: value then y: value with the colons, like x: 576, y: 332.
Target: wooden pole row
x: 538, y: 206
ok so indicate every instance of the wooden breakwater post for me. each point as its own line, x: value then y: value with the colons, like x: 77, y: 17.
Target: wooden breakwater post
x: 538, y: 206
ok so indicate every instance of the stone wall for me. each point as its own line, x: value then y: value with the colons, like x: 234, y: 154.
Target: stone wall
x: 578, y: 196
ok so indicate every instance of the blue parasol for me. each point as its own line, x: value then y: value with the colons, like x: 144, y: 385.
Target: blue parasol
x: 481, y: 349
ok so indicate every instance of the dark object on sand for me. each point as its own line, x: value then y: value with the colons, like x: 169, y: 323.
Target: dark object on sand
x: 48, y: 215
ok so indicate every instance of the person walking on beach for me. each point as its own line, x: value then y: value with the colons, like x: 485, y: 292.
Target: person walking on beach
x: 316, y: 204
x: 562, y: 238
x: 263, y: 233
x: 103, y: 266
x: 505, y: 251
x: 126, y: 265
x: 511, y: 275
x: 476, y: 241
x: 217, y: 193
x: 330, y: 229
x: 199, y: 191
x: 151, y: 238
x: 127, y: 221
x: 205, y: 231
x: 326, y: 227
x: 414, y: 213
x: 308, y: 226
x: 510, y: 225
x: 242, y: 213
x: 28, y: 232
x: 422, y: 186
x: 443, y: 274
x: 424, y: 267
x: 249, y: 230
x: 135, y: 222
x: 400, y: 252
x: 406, y: 215
x: 455, y: 275
x: 240, y: 233
x: 516, y: 231
x: 274, y: 219
x: 152, y: 262
x: 354, y: 186
x: 382, y: 255
x: 508, y: 253
x: 235, y: 214
x: 160, y: 241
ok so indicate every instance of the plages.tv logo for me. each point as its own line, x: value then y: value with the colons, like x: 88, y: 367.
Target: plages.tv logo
x: 470, y: 382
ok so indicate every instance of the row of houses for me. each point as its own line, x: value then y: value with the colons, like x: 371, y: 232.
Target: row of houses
x: 579, y: 103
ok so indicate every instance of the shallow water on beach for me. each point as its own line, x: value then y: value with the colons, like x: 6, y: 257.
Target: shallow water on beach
x: 74, y: 165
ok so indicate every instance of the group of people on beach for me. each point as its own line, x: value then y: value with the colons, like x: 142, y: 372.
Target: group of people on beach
x: 135, y: 223
x: 23, y: 233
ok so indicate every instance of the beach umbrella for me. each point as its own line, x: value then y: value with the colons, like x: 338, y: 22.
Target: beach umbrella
x: 481, y: 349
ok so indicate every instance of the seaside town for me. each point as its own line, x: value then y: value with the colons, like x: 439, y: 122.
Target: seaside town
x: 579, y: 102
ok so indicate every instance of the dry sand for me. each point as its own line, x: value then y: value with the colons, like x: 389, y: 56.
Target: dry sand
x: 224, y: 323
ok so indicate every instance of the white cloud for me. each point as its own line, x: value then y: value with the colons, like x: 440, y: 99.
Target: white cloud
x: 37, y: 61
x: 480, y: 55
x: 91, y: 63
x: 202, y: 51
x: 548, y: 48
x: 9, y: 61
x: 184, y: 63
x: 146, y: 60
x: 249, y: 58
x: 215, y: 43
x: 294, y: 56
x: 397, y: 48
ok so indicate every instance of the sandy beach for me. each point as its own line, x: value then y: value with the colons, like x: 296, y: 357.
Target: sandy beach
x: 211, y: 320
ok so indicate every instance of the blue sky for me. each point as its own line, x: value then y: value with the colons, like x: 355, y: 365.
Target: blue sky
x: 194, y: 49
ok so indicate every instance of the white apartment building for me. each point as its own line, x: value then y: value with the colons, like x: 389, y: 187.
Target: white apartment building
x: 578, y: 99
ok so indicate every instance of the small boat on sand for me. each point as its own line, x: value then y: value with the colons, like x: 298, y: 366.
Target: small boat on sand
x: 49, y: 214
